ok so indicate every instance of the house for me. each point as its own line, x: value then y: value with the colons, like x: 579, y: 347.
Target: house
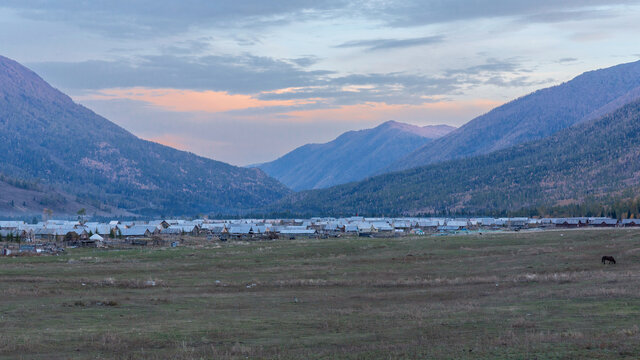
x: 96, y: 237
x: 97, y: 228
x: 428, y: 225
x: 159, y: 223
x: 402, y: 224
x: 365, y: 228
x: 567, y: 223
x: 138, y: 231
x: 190, y: 229
x: 518, y: 223
x: 351, y: 229
x: 382, y: 226
x: 333, y: 228
x: 72, y: 235
x: 45, y: 234
x: 456, y: 224
x: 603, y: 222
x: 238, y: 231
x: 486, y: 222
x: 212, y: 228
x: 630, y: 222
x: 293, y: 233
x: 12, y: 225
x: 449, y: 228
x: 261, y: 229
x: 171, y: 231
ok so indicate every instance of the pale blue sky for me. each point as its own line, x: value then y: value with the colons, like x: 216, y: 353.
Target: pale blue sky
x: 247, y: 81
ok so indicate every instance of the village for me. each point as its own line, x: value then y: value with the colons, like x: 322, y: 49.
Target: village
x: 53, y: 236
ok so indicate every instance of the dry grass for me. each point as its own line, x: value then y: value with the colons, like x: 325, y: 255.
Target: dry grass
x: 521, y: 295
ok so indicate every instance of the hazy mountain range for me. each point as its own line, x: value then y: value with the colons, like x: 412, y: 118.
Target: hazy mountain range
x: 352, y: 156
x: 66, y: 156
x: 556, y: 146
x: 589, y: 157
x: 595, y: 159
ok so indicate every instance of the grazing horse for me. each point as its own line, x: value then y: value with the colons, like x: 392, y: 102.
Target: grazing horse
x: 610, y: 259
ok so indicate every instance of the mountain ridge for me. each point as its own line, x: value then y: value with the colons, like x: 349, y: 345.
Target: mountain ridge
x: 534, y: 116
x: 46, y: 137
x: 596, y: 159
x: 351, y: 156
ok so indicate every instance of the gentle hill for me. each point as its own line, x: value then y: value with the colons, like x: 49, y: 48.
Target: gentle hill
x: 46, y: 138
x: 534, y: 116
x: 598, y: 158
x: 352, y: 156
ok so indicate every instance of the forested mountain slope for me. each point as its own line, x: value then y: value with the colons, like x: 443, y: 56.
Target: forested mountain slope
x: 352, y: 156
x: 46, y: 138
x: 596, y: 158
x: 534, y: 116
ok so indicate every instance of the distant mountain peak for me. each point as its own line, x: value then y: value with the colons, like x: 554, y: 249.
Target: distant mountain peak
x: 428, y: 131
x: 352, y: 156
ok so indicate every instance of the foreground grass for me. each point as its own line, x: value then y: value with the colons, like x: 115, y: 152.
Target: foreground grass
x: 506, y: 295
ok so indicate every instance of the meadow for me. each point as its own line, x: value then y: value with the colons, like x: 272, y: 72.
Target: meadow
x: 520, y: 295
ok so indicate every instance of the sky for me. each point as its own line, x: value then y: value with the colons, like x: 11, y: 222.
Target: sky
x: 246, y: 81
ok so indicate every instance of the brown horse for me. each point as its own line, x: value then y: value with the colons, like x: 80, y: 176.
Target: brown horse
x: 610, y: 259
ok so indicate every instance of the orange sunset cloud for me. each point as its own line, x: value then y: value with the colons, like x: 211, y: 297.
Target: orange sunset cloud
x: 371, y: 111
x: 216, y: 102
x: 189, y: 100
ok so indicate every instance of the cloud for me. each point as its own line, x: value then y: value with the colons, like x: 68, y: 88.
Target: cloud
x: 437, y: 112
x: 262, y: 78
x: 518, y: 81
x: 491, y: 65
x: 567, y: 60
x: 425, y: 12
x: 590, y: 36
x: 160, y: 18
x: 267, y: 135
x: 565, y: 16
x: 305, y: 61
x: 383, y: 44
x: 234, y: 74
x: 246, y: 83
x: 189, y: 100
x: 157, y: 18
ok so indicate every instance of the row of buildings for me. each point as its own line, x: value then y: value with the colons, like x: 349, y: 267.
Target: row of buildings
x: 91, y: 232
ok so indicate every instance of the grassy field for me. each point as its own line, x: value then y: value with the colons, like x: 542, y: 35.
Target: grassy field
x: 522, y: 295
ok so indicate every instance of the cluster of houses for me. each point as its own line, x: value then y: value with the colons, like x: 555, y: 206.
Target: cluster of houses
x: 95, y: 233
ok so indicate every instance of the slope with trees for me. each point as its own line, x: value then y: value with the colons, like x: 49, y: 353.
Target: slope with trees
x: 534, y: 116
x: 352, y: 156
x: 45, y: 137
x: 592, y: 160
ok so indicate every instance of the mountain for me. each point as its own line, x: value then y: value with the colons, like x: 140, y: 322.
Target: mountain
x: 56, y: 146
x: 534, y: 116
x: 352, y: 156
x: 596, y: 159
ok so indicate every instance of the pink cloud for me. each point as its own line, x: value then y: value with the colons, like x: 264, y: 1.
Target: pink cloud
x: 189, y: 100
x: 459, y: 111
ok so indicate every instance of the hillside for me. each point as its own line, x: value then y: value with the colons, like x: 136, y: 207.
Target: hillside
x: 534, y: 116
x: 597, y: 158
x: 46, y: 138
x: 352, y: 156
